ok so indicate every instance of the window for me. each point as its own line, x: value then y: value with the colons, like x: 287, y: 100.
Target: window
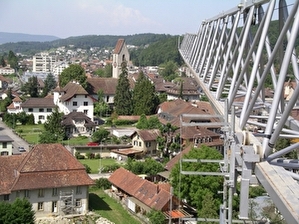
x: 4, y: 145
x: 54, y: 192
x: 75, y: 103
x: 40, y: 206
x: 148, y: 144
x: 6, y: 197
x: 78, y: 202
x: 26, y: 193
x: 85, y: 103
x: 41, y: 117
x: 49, y: 109
x: 41, y: 193
x: 78, y: 190
x: 30, y: 110
x: 85, y: 111
x: 139, y: 144
x: 4, y: 153
x: 41, y: 110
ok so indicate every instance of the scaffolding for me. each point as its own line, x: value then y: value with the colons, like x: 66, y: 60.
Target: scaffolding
x: 67, y: 202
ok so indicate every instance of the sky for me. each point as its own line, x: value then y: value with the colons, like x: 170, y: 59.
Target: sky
x: 66, y: 18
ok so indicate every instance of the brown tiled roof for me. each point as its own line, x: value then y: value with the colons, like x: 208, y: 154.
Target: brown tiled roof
x: 149, y: 135
x: 38, y: 103
x: 107, y: 85
x: 8, y: 171
x: 17, y: 99
x: 143, y: 190
x: 71, y: 89
x: 118, y: 46
x: 45, y: 166
x: 68, y: 119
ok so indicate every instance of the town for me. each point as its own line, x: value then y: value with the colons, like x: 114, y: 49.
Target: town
x: 145, y: 121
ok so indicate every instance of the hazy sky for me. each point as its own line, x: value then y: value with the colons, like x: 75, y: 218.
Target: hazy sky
x: 65, y: 18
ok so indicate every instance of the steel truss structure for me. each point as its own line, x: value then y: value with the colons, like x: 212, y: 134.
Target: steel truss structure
x: 233, y: 56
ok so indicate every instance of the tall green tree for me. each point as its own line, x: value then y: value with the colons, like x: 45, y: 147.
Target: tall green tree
x: 53, y: 130
x: 12, y: 60
x: 20, y: 211
x: 100, y: 135
x: 2, y: 61
x: 101, y: 107
x: 123, y: 95
x: 31, y: 87
x: 50, y: 84
x: 195, y: 188
x: 73, y: 73
x: 145, y: 100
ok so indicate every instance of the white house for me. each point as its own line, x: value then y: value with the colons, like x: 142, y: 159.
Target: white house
x: 74, y: 98
x: 50, y: 177
x: 41, y: 108
x: 15, y: 106
x: 5, y: 145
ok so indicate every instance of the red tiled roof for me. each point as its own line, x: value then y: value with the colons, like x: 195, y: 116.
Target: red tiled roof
x: 71, y: 89
x: 118, y: 46
x: 38, y: 103
x: 149, y: 135
x: 143, y: 190
x: 107, y: 85
x: 45, y: 166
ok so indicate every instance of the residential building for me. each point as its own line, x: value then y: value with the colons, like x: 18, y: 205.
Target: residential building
x: 41, y: 108
x: 43, y: 62
x: 5, y: 145
x: 120, y: 54
x: 146, y: 141
x: 74, y: 98
x: 15, y: 106
x: 141, y: 196
x: 106, y: 85
x: 77, y: 123
x: 6, y: 70
x: 50, y: 177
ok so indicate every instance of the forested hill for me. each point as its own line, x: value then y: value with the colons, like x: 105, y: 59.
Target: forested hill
x: 83, y: 42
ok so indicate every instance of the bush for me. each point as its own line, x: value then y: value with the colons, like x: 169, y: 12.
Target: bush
x: 90, y: 155
x: 79, y: 156
x: 123, y: 122
x: 110, y: 168
x: 87, y: 168
x: 103, y: 183
x: 97, y: 156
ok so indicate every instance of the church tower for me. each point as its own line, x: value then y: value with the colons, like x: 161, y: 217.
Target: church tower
x: 120, y: 54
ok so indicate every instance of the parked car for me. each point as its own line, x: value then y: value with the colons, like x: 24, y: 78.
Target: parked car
x: 92, y: 144
x: 21, y: 149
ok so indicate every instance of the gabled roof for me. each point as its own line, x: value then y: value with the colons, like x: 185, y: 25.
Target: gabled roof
x: 16, y: 99
x: 107, y: 85
x: 38, y: 103
x: 149, y: 135
x: 68, y: 119
x: 71, y: 89
x: 148, y: 193
x: 119, y: 46
x: 45, y: 166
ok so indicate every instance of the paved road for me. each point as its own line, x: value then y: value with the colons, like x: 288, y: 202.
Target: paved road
x: 17, y: 141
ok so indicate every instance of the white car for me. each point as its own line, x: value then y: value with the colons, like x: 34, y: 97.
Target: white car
x: 21, y: 149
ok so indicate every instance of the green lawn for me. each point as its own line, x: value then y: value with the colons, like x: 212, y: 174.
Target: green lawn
x: 95, y: 164
x: 109, y: 208
x: 30, y: 132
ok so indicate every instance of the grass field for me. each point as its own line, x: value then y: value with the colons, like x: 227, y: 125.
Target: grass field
x: 95, y: 164
x: 109, y: 208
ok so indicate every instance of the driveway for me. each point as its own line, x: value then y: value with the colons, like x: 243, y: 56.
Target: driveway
x: 17, y: 141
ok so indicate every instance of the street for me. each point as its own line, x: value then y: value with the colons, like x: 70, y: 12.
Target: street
x: 17, y: 141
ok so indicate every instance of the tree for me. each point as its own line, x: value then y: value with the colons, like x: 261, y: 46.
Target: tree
x: 73, y: 73
x: 195, y: 188
x: 31, y: 87
x: 149, y: 166
x: 101, y: 107
x: 156, y: 217
x: 168, y: 70
x: 150, y: 123
x: 12, y: 60
x: 100, y: 135
x: 145, y: 100
x: 123, y: 96
x: 50, y: 84
x: 20, y: 211
x: 54, y: 131
x: 2, y: 61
